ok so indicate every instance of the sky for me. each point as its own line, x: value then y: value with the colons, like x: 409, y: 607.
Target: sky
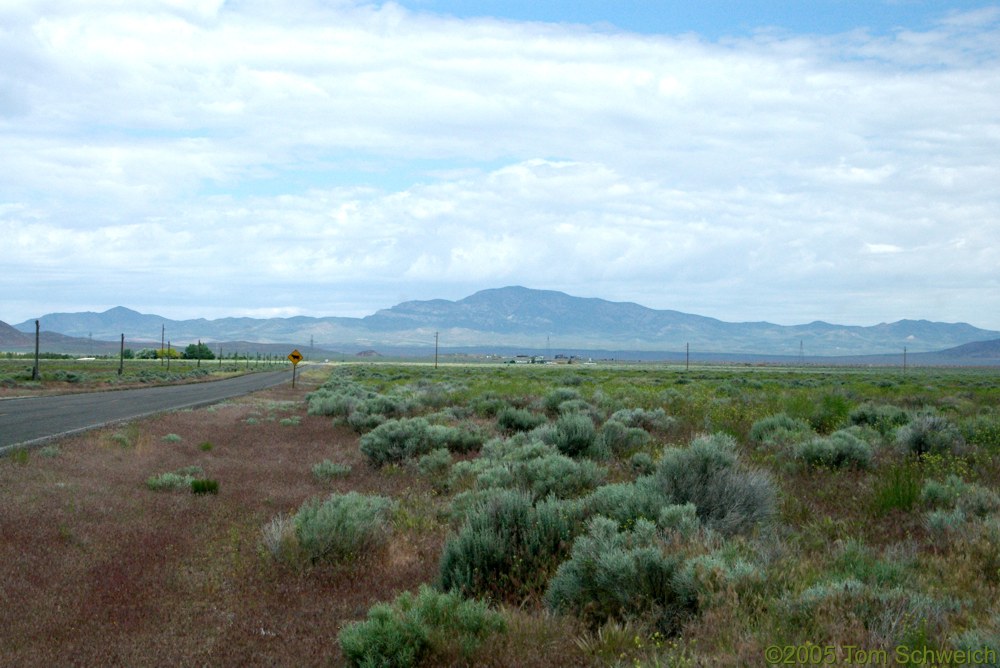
x: 788, y: 161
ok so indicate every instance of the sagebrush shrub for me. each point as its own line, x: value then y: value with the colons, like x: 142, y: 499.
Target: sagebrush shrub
x: 884, y: 419
x: 655, y: 420
x: 507, y: 546
x: 397, y: 440
x: 460, y: 439
x: 179, y: 479
x: 930, y: 434
x: 512, y: 419
x: 779, y: 430
x: 414, y: 629
x: 327, y: 470
x: 556, y: 397
x: 838, y: 450
x: 626, y: 502
x: 729, y: 498
x: 343, y: 526
x: 621, y: 575
x: 574, y: 434
x: 619, y: 439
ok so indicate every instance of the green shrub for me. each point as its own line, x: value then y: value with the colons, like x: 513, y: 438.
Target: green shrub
x: 982, y: 431
x: 642, y: 463
x: 830, y: 413
x: 507, y: 547
x: 655, y: 420
x: 327, y: 470
x: 930, y: 434
x: 985, y: 642
x: 204, y: 486
x: 512, y: 419
x: 556, y: 397
x: 618, y: 438
x: 343, y: 526
x: 414, y: 630
x: 884, y: 419
x: 574, y: 434
x: 626, y: 502
x: 619, y: 575
x: 205, y: 446
x: 179, y: 479
x: 838, y: 450
x: 455, y: 439
x: 942, y: 494
x: 729, y: 498
x: 436, y: 465
x: 397, y: 440
x: 779, y: 430
x: 172, y: 438
x: 49, y: 451
x: 682, y: 519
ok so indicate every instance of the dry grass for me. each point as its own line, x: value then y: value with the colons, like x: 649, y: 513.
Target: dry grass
x: 99, y: 570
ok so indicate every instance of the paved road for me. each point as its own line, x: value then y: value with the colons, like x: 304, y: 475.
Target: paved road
x: 32, y: 420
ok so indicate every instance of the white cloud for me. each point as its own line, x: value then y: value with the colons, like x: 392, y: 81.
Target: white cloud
x: 348, y: 154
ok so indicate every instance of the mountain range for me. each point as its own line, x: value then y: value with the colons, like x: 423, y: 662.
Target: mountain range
x: 514, y: 317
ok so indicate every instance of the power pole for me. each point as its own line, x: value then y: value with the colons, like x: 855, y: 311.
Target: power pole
x: 121, y: 357
x: 34, y: 371
x: 435, y: 350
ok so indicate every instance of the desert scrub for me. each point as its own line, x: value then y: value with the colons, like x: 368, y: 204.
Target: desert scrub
x: 655, y: 420
x: 729, y: 497
x: 930, y: 434
x: 460, y: 439
x: 780, y: 430
x: 327, y: 470
x: 343, y: 526
x: 619, y: 575
x: 841, y: 449
x: 889, y: 617
x: 883, y: 418
x: 508, y: 546
x: 429, y: 627
x: 179, y: 479
x: 620, y: 439
x: 511, y: 419
x: 532, y: 466
x: 396, y: 441
x: 172, y: 438
x: 554, y: 398
x: 574, y: 434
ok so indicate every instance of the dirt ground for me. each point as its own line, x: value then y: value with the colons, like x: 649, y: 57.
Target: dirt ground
x: 98, y: 570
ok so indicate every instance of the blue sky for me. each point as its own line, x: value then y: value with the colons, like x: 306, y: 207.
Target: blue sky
x: 780, y: 161
x: 713, y: 19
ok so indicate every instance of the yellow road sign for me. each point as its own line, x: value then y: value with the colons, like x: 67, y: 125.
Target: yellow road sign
x: 295, y: 356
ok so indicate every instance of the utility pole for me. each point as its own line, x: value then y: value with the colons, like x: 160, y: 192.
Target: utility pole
x: 34, y: 371
x: 121, y: 356
x: 435, y: 350
x: 687, y: 356
x: 168, y: 355
x: 904, y: 360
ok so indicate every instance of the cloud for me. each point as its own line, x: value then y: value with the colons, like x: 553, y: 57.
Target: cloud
x: 333, y: 157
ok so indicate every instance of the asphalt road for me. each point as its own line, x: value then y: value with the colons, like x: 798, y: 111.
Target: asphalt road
x: 32, y: 420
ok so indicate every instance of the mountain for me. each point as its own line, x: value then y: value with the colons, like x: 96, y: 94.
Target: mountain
x: 522, y: 317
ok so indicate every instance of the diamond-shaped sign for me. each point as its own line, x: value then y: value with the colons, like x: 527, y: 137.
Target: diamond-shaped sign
x: 295, y: 356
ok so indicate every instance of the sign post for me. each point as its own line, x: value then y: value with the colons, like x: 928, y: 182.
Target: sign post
x: 294, y: 357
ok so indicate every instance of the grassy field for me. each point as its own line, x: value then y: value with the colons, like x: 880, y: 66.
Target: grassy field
x: 61, y: 376
x: 561, y: 516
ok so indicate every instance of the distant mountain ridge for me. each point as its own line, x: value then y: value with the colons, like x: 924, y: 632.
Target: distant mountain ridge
x: 540, y: 319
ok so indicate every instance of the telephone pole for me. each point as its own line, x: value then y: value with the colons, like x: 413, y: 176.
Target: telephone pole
x: 435, y: 350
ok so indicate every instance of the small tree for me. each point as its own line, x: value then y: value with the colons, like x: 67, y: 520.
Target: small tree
x: 198, y: 351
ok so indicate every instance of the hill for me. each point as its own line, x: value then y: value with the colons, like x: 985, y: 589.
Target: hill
x: 521, y: 317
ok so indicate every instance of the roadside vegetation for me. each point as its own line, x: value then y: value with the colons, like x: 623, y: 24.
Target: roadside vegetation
x: 64, y: 374
x: 530, y: 516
